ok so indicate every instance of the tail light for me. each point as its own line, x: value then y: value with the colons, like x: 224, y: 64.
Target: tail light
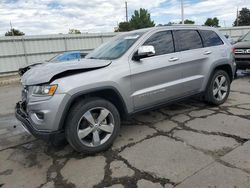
x: 233, y: 55
x: 233, y: 50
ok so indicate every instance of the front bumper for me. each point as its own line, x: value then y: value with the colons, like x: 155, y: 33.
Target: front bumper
x: 243, y: 64
x: 242, y: 61
x: 22, y: 116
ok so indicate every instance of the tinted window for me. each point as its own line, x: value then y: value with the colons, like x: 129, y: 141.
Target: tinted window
x: 210, y: 38
x: 187, y: 39
x: 162, y: 42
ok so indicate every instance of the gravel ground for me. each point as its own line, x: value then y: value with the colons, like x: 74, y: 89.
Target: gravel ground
x: 188, y: 144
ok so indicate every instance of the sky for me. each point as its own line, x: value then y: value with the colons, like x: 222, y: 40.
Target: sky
x: 35, y: 17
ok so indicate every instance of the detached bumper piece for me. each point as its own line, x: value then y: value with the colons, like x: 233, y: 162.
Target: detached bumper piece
x: 54, y: 137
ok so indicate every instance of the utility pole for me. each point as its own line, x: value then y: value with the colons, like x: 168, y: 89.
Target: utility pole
x: 11, y: 29
x: 126, y: 9
x: 237, y: 17
x: 182, y: 12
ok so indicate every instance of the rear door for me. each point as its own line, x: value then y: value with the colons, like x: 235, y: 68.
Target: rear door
x: 156, y: 79
x: 215, y: 50
x: 193, y: 59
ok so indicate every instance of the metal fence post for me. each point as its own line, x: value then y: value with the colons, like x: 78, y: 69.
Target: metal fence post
x: 101, y: 39
x: 25, y: 51
x: 65, y: 44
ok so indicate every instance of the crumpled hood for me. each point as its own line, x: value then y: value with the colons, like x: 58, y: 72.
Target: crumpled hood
x: 43, y: 73
x: 243, y: 44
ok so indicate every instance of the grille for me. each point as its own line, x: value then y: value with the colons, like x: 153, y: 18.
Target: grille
x: 242, y: 51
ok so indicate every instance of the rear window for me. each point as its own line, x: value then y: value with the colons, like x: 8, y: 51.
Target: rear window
x: 187, y: 39
x: 210, y: 38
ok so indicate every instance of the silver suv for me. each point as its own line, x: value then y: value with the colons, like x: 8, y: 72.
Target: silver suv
x: 85, y: 100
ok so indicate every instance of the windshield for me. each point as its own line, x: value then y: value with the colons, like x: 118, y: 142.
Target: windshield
x: 246, y: 37
x: 116, y: 47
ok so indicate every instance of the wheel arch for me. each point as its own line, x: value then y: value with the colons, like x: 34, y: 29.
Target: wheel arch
x: 109, y: 93
x: 227, y: 68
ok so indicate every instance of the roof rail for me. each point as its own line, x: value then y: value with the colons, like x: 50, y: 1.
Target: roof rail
x: 182, y: 25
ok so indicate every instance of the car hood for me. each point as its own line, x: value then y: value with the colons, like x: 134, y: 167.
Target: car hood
x: 44, y: 73
x: 243, y: 44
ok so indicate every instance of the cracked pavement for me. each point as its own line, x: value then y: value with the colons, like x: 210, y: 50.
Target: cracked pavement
x: 188, y: 144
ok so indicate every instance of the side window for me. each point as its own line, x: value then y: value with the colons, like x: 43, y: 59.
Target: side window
x: 187, y: 39
x: 71, y: 57
x: 210, y: 38
x: 162, y: 42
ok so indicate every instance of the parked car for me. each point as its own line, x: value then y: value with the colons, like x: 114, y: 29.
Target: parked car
x: 66, y: 56
x: 135, y: 71
x: 242, y: 52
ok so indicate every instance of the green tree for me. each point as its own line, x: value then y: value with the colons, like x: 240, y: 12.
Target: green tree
x: 140, y: 19
x: 213, y: 22
x: 123, y: 26
x: 74, y: 31
x: 187, y: 21
x: 170, y: 23
x: 243, y: 18
x: 14, y: 32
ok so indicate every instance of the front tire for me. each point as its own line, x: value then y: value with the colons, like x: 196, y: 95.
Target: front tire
x: 92, y: 125
x: 218, y: 89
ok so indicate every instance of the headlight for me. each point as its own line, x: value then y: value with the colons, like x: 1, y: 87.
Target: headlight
x: 44, y: 90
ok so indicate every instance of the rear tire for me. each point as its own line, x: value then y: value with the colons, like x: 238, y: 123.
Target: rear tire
x: 218, y: 88
x: 92, y: 125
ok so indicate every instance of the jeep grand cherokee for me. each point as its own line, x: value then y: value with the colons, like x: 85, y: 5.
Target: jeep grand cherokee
x: 84, y: 101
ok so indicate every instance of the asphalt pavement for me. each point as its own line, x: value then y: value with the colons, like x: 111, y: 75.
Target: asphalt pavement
x: 186, y: 145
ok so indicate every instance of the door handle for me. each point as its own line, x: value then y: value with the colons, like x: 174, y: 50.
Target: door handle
x: 207, y: 52
x: 173, y: 59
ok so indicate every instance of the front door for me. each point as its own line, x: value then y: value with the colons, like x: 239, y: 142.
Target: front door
x: 156, y: 79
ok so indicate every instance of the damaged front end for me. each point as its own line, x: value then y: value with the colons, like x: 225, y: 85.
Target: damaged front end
x: 23, y: 70
x: 44, y: 73
x: 39, y: 111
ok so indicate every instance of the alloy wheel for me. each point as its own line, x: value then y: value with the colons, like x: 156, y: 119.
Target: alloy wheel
x: 220, y: 87
x: 95, y: 127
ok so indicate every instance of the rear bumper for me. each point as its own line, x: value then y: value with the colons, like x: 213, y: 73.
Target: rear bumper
x: 22, y: 116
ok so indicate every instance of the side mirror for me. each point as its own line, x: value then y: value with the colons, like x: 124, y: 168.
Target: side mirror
x: 144, y: 51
